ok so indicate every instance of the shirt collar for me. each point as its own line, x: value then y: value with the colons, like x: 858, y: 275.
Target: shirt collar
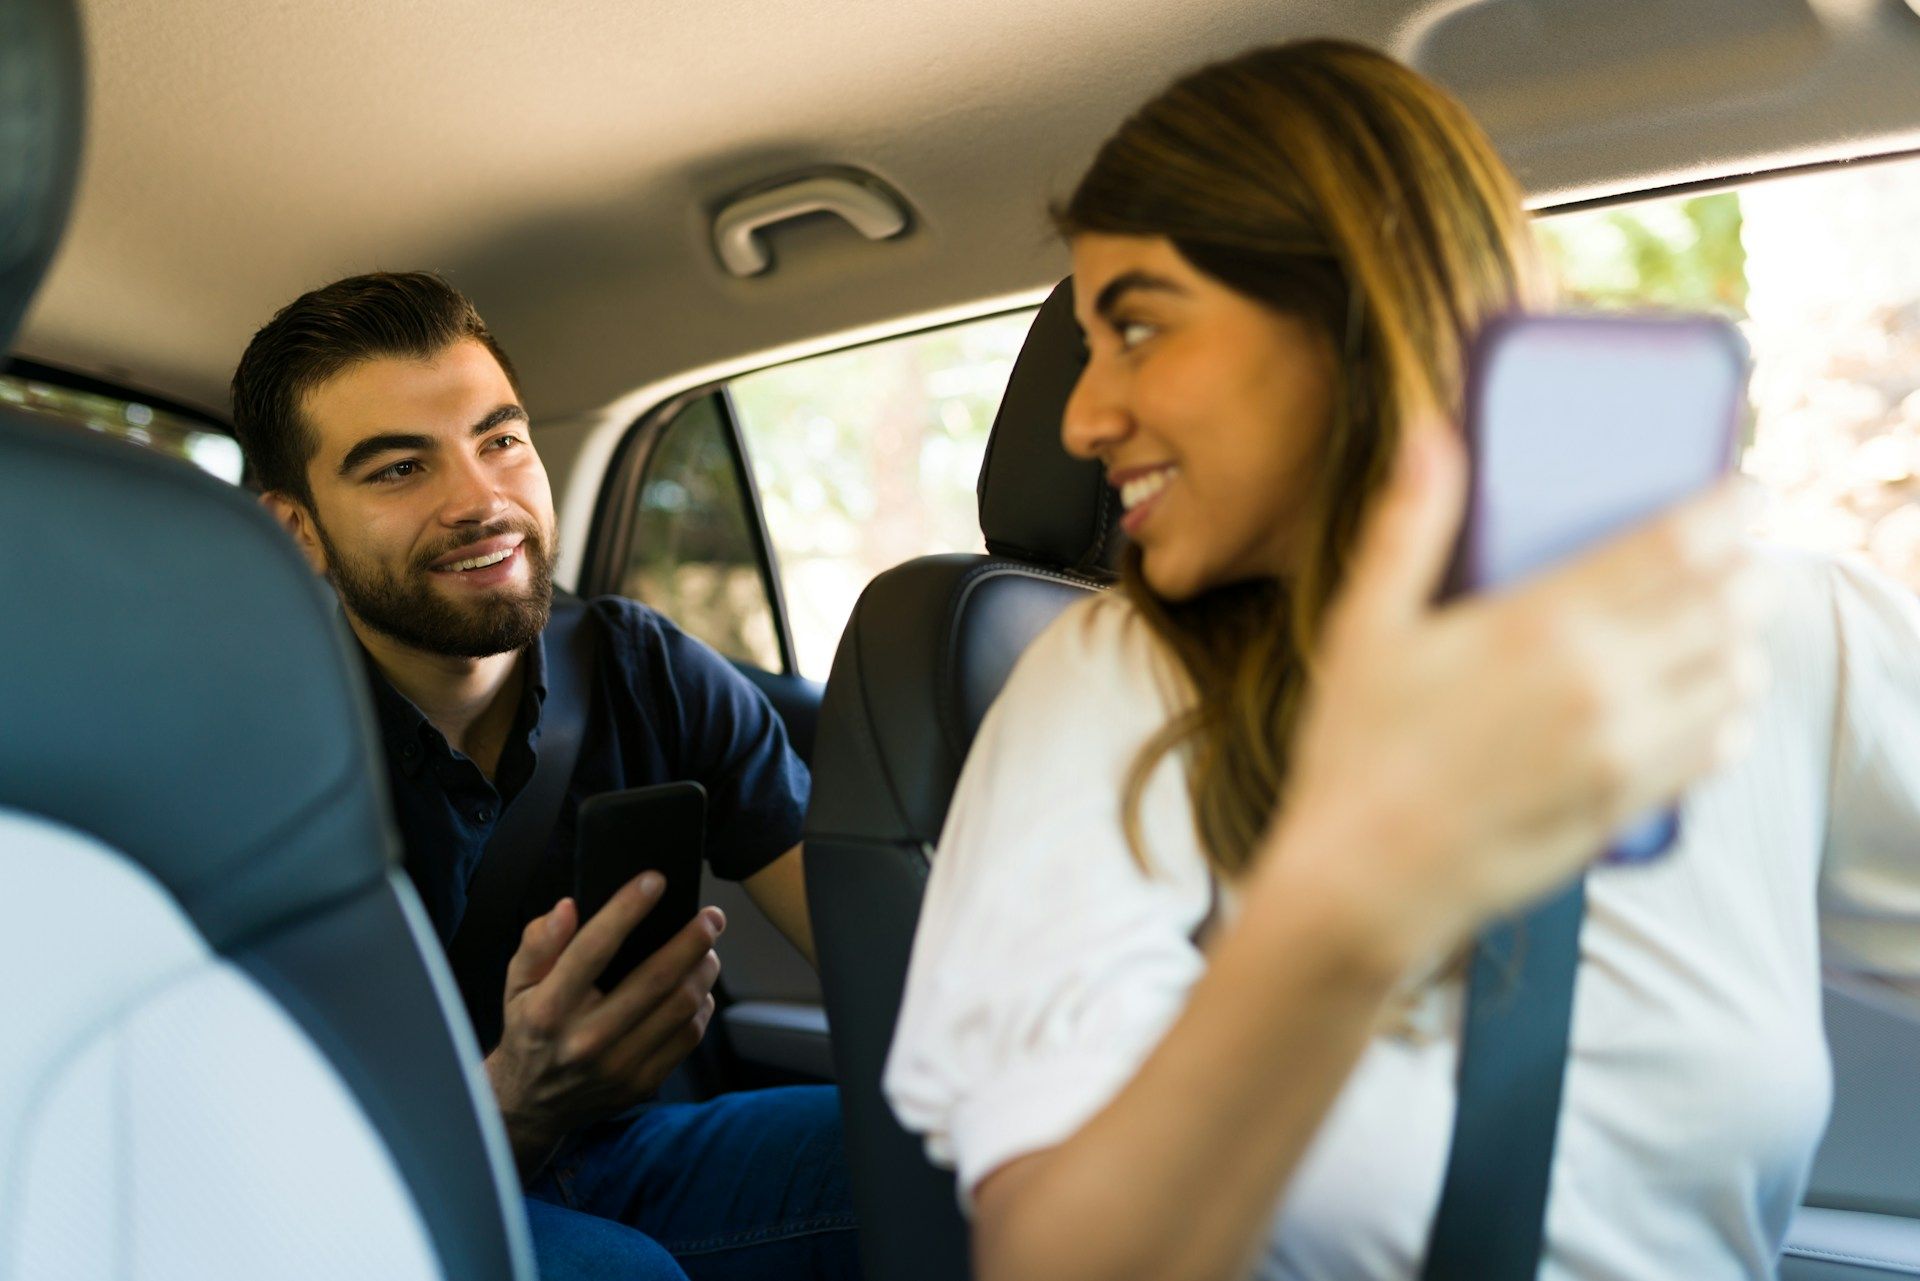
x: 536, y: 687
x: 402, y: 724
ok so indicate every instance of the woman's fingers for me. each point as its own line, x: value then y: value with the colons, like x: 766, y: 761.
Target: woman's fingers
x: 1407, y: 538
x: 1698, y: 723
x: 1672, y: 557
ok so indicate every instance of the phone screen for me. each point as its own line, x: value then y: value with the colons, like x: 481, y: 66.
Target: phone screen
x: 1586, y: 425
x: 622, y: 834
x: 1582, y: 426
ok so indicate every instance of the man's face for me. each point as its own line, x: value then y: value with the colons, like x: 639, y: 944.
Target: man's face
x: 432, y: 516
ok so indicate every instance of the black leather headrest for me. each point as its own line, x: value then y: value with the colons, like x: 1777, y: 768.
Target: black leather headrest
x: 42, y: 78
x: 1037, y: 502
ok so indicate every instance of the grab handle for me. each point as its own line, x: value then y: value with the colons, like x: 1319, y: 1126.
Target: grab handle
x: 873, y: 211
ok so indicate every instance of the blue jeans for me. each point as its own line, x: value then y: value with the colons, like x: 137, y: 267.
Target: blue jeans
x: 747, y: 1186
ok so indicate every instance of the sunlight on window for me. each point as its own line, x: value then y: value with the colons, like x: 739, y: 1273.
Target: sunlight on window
x: 1822, y: 272
x: 868, y: 457
x: 130, y: 421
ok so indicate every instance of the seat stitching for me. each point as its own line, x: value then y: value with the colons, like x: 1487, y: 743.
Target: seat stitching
x: 949, y: 656
x: 868, y: 743
x: 1847, y: 1256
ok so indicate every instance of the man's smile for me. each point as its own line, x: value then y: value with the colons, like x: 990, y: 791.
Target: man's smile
x: 485, y: 563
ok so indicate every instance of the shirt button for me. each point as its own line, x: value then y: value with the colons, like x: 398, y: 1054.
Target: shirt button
x: 410, y: 751
x: 483, y: 815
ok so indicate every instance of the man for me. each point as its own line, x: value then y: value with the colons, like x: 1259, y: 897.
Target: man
x: 385, y: 426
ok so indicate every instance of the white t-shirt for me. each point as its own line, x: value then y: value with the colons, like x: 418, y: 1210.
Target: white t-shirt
x: 1048, y: 965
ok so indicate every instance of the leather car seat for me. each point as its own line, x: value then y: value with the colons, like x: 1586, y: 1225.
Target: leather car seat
x: 232, y: 1048
x: 924, y: 654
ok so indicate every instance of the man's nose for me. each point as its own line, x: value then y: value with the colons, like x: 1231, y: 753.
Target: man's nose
x: 472, y: 494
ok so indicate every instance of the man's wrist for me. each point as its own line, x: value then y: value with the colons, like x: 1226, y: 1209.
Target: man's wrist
x: 532, y: 1139
x: 532, y: 1150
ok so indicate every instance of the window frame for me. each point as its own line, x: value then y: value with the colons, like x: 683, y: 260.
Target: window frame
x: 1707, y: 186
x: 618, y: 505
x: 614, y: 508
x: 73, y: 380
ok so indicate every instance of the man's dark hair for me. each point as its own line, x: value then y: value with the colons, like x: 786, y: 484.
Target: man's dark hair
x: 407, y: 314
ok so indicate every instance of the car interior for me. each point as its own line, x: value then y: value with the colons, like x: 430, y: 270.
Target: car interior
x: 795, y: 336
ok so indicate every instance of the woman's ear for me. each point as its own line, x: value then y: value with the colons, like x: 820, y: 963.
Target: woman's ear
x: 296, y: 518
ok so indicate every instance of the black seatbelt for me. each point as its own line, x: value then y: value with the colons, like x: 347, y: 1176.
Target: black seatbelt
x: 1513, y: 1062
x: 483, y: 942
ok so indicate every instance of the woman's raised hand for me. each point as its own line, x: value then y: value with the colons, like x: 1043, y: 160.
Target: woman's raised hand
x: 1458, y: 761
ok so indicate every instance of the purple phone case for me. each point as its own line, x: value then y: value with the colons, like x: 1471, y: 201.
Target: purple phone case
x: 1597, y: 358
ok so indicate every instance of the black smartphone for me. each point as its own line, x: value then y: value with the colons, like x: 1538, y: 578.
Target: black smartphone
x: 1580, y: 426
x: 644, y: 829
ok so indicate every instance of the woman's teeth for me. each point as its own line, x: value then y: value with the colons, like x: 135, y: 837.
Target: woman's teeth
x: 1141, y: 488
x: 481, y: 562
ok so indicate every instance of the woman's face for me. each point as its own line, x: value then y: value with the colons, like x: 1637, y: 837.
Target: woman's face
x: 1206, y: 408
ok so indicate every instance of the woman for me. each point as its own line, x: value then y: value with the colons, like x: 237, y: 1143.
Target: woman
x: 1268, y: 741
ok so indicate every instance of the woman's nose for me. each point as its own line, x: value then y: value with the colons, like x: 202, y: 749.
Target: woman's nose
x: 1095, y: 419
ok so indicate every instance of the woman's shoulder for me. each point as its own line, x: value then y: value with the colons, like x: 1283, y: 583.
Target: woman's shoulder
x: 1828, y: 603
x: 1101, y: 649
x: 1087, y: 693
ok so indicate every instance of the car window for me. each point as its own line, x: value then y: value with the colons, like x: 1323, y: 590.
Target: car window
x: 868, y: 457
x: 1822, y: 272
x: 692, y: 551
x: 129, y: 419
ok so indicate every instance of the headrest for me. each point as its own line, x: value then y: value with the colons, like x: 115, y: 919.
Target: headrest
x: 42, y: 77
x: 1037, y: 502
x: 177, y: 684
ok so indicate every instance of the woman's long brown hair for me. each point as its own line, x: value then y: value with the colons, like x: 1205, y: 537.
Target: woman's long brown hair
x: 1327, y: 181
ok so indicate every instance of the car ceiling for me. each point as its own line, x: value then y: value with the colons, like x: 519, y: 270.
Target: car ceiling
x: 561, y: 161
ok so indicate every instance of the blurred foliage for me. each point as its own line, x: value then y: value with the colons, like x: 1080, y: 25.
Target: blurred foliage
x: 127, y: 420
x: 868, y: 457
x: 693, y: 554
x: 1685, y: 254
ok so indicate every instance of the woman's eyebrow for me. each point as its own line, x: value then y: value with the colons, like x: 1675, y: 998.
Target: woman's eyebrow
x: 1126, y: 283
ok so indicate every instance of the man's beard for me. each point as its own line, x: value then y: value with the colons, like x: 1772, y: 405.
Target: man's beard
x: 409, y: 610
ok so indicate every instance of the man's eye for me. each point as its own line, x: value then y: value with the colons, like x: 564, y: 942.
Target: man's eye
x: 396, y: 471
x: 1133, y: 333
x: 501, y: 442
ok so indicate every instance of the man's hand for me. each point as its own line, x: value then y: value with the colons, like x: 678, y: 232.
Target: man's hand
x: 569, y: 1054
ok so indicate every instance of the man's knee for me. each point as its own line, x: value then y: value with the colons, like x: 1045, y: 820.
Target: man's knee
x: 571, y: 1246
x: 801, y: 1115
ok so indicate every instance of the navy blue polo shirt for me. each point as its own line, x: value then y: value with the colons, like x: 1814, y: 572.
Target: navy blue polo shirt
x: 664, y: 708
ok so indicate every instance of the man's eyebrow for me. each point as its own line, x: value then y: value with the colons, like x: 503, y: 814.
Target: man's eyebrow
x: 385, y: 443
x: 504, y: 414
x: 1128, y: 282
x: 394, y: 442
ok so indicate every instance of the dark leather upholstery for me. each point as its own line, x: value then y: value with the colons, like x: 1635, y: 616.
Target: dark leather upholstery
x: 176, y: 684
x: 42, y: 80
x: 924, y: 654
x: 927, y: 649
x: 1038, y: 504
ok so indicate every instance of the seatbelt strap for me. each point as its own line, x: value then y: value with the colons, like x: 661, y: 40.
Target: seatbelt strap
x: 1513, y: 1063
x: 483, y: 942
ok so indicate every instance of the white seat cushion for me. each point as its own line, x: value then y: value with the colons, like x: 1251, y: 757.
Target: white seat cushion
x: 160, y: 1116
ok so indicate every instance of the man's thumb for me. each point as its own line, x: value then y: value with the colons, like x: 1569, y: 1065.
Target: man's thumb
x: 1408, y: 535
